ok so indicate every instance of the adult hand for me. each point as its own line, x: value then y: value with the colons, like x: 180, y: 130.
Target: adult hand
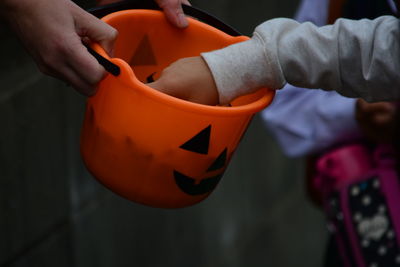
x: 172, y: 10
x: 377, y: 120
x: 52, y: 31
x: 189, y: 79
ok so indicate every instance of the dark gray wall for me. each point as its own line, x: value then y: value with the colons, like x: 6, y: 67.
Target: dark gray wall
x: 53, y: 213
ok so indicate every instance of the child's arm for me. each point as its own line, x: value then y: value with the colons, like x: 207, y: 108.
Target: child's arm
x: 355, y: 58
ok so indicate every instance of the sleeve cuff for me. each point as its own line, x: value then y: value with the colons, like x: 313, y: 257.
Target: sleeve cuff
x: 242, y: 68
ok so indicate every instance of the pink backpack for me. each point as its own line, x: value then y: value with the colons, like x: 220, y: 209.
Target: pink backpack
x: 360, y: 190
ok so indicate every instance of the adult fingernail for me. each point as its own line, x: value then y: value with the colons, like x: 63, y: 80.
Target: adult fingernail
x: 182, y: 21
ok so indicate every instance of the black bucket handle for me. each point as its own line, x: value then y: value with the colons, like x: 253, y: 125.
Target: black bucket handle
x: 194, y: 12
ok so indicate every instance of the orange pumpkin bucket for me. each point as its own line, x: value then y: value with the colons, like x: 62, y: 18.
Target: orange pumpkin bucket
x: 150, y: 147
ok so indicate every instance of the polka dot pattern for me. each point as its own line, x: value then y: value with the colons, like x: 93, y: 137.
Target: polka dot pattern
x: 372, y: 224
x: 370, y: 220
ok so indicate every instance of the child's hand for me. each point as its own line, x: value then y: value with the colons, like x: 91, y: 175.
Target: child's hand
x: 189, y: 79
x: 376, y: 120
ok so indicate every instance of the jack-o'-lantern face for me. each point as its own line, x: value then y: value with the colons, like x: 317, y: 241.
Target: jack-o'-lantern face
x: 199, y: 144
x: 149, y: 147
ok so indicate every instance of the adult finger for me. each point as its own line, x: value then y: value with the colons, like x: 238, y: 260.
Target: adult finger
x: 86, y: 67
x: 73, y: 79
x: 174, y: 12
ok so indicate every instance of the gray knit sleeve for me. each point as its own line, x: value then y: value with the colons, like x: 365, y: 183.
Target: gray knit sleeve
x: 356, y: 58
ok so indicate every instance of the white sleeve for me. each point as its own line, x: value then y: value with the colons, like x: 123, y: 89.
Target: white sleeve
x: 315, y: 11
x: 356, y: 58
x: 309, y: 121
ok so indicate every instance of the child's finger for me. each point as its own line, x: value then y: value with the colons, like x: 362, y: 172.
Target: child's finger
x: 371, y: 108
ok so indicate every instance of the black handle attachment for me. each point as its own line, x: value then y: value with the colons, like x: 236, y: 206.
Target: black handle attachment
x: 108, y: 65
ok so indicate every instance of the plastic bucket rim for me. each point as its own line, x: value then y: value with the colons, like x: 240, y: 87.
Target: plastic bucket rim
x: 136, y: 84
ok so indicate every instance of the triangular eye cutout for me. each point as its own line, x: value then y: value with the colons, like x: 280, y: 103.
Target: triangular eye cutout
x: 200, y: 142
x: 219, y: 162
x: 144, y: 54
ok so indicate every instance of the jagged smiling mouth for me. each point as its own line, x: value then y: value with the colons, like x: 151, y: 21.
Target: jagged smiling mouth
x: 189, y: 186
x: 199, y: 144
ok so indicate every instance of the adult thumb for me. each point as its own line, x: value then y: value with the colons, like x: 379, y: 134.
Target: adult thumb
x: 174, y: 12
